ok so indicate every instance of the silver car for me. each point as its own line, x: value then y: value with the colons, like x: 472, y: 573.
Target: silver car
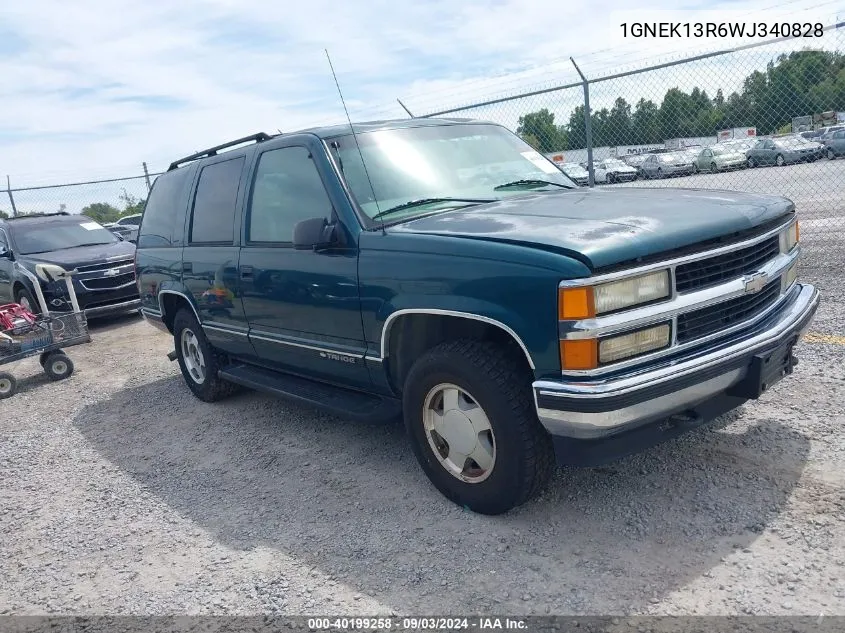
x: 669, y: 164
x: 834, y: 144
x: 720, y: 157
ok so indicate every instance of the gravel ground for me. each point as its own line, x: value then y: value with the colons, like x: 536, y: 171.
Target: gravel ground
x: 122, y: 494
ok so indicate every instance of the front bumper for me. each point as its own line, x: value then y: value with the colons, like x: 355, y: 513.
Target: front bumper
x: 113, y: 308
x: 690, y: 385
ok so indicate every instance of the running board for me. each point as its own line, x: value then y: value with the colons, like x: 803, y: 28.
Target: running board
x: 336, y: 400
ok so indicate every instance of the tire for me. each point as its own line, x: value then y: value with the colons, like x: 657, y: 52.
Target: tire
x: 831, y: 154
x: 189, y: 338
x: 519, y: 449
x: 714, y: 168
x: 751, y: 163
x: 57, y: 366
x: 779, y: 160
x: 659, y: 172
x: 695, y: 168
x: 25, y: 298
x: 8, y: 385
x: 611, y: 179
x: 42, y: 359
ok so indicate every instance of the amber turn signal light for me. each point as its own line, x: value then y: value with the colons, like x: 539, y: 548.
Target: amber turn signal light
x: 579, y: 354
x: 576, y: 303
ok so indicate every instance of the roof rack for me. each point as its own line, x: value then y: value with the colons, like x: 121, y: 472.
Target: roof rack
x: 212, y: 151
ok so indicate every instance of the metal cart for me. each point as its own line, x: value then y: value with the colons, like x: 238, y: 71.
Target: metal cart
x: 45, y: 336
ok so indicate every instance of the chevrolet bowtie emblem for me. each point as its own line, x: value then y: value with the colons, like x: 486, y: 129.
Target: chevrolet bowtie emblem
x: 755, y: 283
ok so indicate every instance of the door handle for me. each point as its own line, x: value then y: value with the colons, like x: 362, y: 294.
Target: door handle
x: 187, y: 267
x: 246, y: 272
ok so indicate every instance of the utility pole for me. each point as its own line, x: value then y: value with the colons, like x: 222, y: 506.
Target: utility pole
x: 147, y: 177
x: 11, y: 197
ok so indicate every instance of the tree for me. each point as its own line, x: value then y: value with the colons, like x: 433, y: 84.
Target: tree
x: 131, y: 204
x: 801, y: 83
x: 3, y: 215
x: 102, y: 212
x: 541, y: 125
x: 532, y: 140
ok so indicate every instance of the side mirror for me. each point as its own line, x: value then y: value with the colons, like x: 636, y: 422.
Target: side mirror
x: 5, y: 253
x: 313, y: 233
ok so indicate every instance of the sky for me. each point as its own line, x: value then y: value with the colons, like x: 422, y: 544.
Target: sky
x: 91, y: 89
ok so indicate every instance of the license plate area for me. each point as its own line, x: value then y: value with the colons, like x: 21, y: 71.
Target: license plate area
x: 766, y: 370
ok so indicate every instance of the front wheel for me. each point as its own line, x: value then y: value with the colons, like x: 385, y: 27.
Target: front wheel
x: 473, y: 427
x: 779, y: 161
x: 198, y: 360
x: 57, y: 366
x: 8, y: 385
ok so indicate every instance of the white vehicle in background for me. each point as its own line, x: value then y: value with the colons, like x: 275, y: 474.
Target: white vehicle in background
x: 611, y: 170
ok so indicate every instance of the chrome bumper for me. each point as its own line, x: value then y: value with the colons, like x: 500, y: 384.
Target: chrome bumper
x: 588, y: 409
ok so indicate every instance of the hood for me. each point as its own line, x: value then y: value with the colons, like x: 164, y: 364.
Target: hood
x: 603, y: 227
x: 70, y: 258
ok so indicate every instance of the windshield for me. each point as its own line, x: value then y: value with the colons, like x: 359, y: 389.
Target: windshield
x: 444, y: 161
x: 614, y: 162
x: 672, y: 158
x: 54, y: 236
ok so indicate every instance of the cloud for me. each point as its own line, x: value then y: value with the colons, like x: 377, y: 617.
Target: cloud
x: 93, y: 89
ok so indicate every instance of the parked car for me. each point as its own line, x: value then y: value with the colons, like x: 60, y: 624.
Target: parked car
x: 611, y: 170
x: 781, y: 151
x: 509, y: 323
x: 834, y: 144
x: 820, y: 134
x: 677, y: 163
x: 46, y: 243
x: 130, y: 224
x: 719, y: 158
x: 122, y: 232
x: 576, y: 173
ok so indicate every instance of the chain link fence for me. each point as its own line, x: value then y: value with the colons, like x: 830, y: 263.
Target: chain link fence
x: 757, y: 118
x: 103, y: 200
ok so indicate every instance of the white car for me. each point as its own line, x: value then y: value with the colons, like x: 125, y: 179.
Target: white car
x: 612, y: 170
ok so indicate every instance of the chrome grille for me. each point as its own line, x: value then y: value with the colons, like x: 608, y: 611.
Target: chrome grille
x: 118, y: 263
x: 699, y: 323
x: 106, y: 283
x: 714, y: 270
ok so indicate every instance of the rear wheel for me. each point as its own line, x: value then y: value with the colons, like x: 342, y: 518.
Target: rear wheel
x: 713, y: 167
x: 474, y: 430
x: 8, y: 385
x: 198, y: 361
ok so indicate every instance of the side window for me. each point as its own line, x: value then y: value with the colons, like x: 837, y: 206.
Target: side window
x: 287, y: 190
x: 213, y: 219
x: 165, y: 204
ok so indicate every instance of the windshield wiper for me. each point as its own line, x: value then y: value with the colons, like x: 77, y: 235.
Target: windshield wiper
x: 530, y: 182
x: 424, y: 201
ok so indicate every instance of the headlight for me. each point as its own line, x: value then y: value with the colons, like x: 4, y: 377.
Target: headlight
x: 633, y: 344
x: 589, y: 301
x: 791, y: 276
x: 49, y: 272
x: 584, y: 354
x: 789, y: 237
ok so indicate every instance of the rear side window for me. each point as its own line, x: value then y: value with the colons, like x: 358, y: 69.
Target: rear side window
x: 164, y: 206
x: 213, y: 219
